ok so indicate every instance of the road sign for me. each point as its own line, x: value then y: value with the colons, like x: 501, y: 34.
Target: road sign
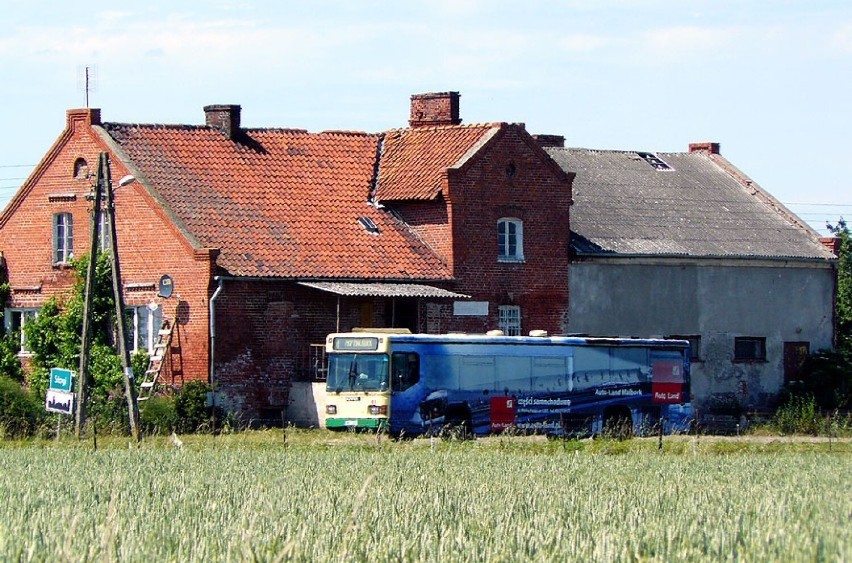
x: 61, y: 379
x: 59, y: 401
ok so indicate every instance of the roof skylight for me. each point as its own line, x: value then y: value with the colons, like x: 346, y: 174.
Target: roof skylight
x: 654, y: 161
x: 368, y: 225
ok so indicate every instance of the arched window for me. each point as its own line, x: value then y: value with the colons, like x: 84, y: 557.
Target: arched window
x: 81, y: 169
x: 510, y: 240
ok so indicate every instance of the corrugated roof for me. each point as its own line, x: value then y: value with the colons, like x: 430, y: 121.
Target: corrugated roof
x: 352, y: 289
x: 278, y: 202
x: 702, y: 206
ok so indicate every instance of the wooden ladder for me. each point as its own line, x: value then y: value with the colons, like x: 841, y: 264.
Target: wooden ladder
x: 156, y: 361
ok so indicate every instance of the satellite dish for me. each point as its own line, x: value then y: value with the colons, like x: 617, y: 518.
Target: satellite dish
x: 166, y: 286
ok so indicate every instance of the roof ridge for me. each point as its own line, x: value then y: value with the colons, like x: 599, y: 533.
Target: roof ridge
x: 117, y: 125
x: 348, y: 133
x: 449, y: 127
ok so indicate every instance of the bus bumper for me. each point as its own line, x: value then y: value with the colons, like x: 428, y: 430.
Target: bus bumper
x: 339, y: 423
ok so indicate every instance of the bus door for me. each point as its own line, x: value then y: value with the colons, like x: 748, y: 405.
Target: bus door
x: 405, y: 375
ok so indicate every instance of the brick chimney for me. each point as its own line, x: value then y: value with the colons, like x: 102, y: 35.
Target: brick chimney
x: 557, y: 141
x: 832, y: 244
x: 224, y: 117
x: 436, y: 108
x: 712, y: 148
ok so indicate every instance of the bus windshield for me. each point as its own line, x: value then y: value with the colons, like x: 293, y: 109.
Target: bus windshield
x: 357, y: 372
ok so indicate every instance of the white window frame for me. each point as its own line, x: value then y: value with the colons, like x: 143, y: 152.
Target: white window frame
x: 509, y: 228
x: 143, y: 322
x: 63, y: 237
x: 24, y: 315
x: 509, y: 319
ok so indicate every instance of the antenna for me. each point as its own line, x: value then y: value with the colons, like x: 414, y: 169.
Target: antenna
x: 87, y: 80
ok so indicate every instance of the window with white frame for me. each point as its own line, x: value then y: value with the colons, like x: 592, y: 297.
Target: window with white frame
x: 63, y: 237
x: 510, y: 240
x: 142, y: 327
x: 15, y: 319
x: 510, y: 320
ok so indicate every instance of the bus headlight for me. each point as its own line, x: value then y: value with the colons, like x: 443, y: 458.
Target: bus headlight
x: 331, y: 409
x: 378, y: 409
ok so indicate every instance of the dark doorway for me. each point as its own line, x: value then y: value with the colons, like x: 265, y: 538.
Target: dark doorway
x: 401, y: 312
x: 794, y: 356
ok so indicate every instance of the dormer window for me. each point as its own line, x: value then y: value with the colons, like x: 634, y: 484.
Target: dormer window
x: 510, y: 240
x: 368, y: 225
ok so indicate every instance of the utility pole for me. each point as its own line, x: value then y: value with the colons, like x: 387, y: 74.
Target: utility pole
x: 82, y: 387
x: 103, y: 186
x: 129, y: 385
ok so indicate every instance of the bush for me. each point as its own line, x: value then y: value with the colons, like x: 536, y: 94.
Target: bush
x: 799, y: 415
x: 21, y: 413
x: 158, y: 415
x: 191, y: 407
x: 10, y: 365
x: 826, y: 377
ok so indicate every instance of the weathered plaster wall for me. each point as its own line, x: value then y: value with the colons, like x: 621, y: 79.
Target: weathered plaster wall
x: 717, y: 300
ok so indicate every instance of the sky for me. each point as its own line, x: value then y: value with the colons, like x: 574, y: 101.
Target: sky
x: 771, y: 81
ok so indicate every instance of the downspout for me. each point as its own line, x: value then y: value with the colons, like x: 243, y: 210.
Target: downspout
x: 212, y: 314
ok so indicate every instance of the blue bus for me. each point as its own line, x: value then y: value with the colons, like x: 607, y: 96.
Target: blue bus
x: 411, y: 384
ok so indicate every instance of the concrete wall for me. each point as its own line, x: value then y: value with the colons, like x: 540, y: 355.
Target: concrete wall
x: 717, y: 300
x: 306, y: 408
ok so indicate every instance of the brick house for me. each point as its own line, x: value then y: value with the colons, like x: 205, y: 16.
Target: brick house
x: 273, y: 238
x: 684, y: 244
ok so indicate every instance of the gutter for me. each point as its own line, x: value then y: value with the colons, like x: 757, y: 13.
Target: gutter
x: 212, y: 314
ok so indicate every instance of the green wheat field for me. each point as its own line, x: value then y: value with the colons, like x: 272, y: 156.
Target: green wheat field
x: 318, y: 496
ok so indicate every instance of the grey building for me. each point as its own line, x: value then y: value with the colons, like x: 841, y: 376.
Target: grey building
x: 686, y: 245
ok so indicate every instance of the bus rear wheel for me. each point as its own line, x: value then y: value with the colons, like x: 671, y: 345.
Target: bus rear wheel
x: 458, y: 424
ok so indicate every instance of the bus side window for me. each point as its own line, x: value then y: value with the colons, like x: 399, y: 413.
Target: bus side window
x: 406, y: 370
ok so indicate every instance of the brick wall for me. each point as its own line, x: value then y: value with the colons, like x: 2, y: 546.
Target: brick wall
x: 149, y: 246
x: 512, y: 179
x: 264, y: 333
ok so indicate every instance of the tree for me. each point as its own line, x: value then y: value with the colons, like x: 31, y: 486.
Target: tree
x: 10, y: 365
x: 843, y: 308
x: 54, y: 338
x: 826, y: 376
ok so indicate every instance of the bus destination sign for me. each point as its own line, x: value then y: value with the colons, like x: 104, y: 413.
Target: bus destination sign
x: 356, y: 343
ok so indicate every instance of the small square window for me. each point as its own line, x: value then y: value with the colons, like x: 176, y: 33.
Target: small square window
x: 749, y: 349
x: 510, y: 320
x: 15, y: 321
x: 142, y: 327
x: 694, y: 345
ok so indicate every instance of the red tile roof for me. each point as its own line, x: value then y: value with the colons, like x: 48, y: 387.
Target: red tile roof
x: 278, y: 202
x: 414, y: 160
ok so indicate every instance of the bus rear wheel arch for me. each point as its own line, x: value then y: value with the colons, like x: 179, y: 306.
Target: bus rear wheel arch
x: 458, y: 423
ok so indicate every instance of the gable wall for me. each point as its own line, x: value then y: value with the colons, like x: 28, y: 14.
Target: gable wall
x: 148, y: 246
x: 482, y: 194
